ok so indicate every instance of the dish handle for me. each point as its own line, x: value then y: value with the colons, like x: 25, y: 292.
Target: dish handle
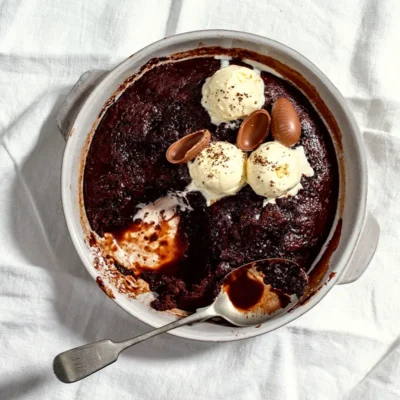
x: 364, y: 251
x: 75, y: 99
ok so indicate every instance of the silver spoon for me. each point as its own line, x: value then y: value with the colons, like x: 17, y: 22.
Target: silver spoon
x: 248, y: 296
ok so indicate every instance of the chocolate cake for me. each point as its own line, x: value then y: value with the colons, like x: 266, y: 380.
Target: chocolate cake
x: 126, y: 167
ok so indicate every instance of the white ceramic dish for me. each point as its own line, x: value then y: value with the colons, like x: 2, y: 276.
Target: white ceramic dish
x: 359, y: 235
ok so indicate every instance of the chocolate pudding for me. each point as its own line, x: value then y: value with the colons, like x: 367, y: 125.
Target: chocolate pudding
x: 185, y: 257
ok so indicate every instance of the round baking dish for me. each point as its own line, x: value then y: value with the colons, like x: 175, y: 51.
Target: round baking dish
x: 354, y: 235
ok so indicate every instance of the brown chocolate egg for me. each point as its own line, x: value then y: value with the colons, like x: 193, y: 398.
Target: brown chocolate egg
x: 285, y: 127
x: 188, y: 147
x: 253, y: 130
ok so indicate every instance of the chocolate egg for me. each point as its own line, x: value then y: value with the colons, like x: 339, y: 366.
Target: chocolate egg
x: 188, y: 147
x: 285, y: 126
x: 253, y: 130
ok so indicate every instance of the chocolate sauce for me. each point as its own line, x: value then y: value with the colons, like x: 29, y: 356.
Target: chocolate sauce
x: 104, y: 288
x: 244, y: 290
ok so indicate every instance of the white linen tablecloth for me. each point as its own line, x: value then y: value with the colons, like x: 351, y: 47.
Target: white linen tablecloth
x: 348, y: 347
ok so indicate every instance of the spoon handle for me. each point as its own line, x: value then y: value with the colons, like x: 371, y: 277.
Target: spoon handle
x: 201, y: 315
x: 80, y: 362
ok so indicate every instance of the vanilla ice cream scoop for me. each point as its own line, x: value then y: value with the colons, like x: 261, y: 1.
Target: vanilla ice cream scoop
x: 274, y: 170
x: 218, y: 171
x: 231, y: 93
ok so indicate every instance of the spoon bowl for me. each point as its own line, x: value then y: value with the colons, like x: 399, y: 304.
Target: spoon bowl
x: 260, y: 291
